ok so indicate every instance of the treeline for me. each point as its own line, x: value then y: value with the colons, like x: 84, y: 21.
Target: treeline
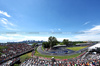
x: 52, y: 41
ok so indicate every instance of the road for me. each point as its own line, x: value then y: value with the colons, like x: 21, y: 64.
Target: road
x: 39, y: 49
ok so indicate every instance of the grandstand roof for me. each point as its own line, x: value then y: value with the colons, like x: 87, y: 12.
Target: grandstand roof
x: 59, y: 45
x: 82, y: 43
x: 94, y: 46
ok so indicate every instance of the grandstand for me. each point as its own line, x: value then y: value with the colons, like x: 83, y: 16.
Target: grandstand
x: 89, y: 60
x: 85, y: 59
x: 13, y: 50
x: 95, y: 47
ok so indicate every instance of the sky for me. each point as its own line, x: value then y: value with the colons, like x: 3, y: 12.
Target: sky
x: 76, y: 20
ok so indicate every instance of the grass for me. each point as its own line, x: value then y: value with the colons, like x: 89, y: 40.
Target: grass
x: 76, y: 48
x: 16, y: 65
x: 56, y: 57
x: 2, y: 47
x: 42, y: 48
x: 25, y: 56
x: 0, y: 53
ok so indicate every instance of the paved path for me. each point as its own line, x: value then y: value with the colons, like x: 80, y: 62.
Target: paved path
x: 39, y: 49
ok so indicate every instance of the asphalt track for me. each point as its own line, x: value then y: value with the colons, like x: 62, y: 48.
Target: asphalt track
x: 71, y: 52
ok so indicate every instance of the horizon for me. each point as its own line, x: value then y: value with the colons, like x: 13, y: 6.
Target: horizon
x: 75, y: 20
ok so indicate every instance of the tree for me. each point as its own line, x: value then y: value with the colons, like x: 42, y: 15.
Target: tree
x: 66, y: 42
x: 34, y: 44
x: 52, y: 41
x: 45, y: 44
x: 61, y: 43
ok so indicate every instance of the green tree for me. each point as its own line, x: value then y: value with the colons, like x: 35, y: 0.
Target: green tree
x: 34, y: 44
x: 66, y: 42
x: 45, y: 44
x: 61, y: 43
x: 52, y: 41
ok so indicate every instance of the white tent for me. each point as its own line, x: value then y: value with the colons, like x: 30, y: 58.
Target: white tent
x: 94, y: 46
x: 59, y: 45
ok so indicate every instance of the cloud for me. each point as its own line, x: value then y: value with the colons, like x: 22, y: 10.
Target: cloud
x: 11, y: 24
x: 21, y: 37
x: 93, y: 31
x: 6, y: 24
x: 9, y: 28
x: 52, y: 30
x: 61, y: 39
x: 6, y: 39
x: 86, y: 23
x: 11, y: 35
x: 4, y: 13
x: 5, y: 21
x: 55, y: 29
x: 95, y: 28
x: 91, y: 34
x: 59, y: 29
x: 33, y: 38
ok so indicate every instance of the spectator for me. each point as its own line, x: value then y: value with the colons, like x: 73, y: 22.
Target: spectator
x: 13, y: 50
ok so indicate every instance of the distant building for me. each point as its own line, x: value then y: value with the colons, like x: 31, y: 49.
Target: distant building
x: 84, y: 44
x: 27, y: 41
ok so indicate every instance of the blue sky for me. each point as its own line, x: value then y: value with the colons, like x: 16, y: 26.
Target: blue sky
x: 47, y: 16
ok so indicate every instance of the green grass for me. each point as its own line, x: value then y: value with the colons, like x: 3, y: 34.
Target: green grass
x: 76, y: 48
x: 0, y: 53
x: 42, y: 48
x: 25, y: 56
x: 56, y: 57
x: 16, y: 65
x: 2, y: 47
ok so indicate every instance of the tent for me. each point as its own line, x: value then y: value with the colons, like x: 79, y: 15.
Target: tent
x: 94, y: 47
x: 59, y: 45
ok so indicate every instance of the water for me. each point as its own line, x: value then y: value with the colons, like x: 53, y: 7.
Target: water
x: 29, y: 44
x: 37, y: 43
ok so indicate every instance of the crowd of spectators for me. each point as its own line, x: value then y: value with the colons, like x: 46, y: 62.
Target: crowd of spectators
x: 13, y: 50
x: 89, y: 60
x: 10, y: 62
